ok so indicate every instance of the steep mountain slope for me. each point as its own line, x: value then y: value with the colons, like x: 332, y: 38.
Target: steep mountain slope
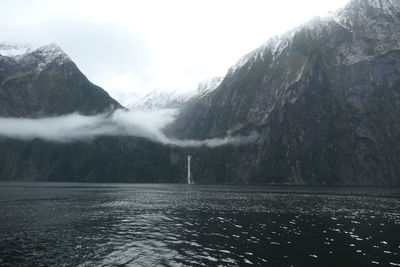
x: 46, y: 82
x: 325, y: 98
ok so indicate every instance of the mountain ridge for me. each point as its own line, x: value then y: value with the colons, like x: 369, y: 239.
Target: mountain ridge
x: 321, y: 96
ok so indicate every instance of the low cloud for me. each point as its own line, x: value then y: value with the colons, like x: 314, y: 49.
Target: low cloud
x: 75, y: 127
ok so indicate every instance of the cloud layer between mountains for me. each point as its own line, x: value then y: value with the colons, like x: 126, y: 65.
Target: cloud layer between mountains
x: 74, y: 127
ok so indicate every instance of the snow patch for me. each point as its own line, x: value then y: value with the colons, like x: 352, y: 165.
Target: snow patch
x: 12, y: 50
x: 160, y: 99
x: 50, y: 53
x: 208, y: 85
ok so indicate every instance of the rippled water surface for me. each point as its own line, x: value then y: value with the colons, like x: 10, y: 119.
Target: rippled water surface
x: 197, y: 225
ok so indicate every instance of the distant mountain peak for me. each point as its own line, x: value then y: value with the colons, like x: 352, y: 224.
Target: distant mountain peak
x: 49, y: 53
x: 45, y: 81
x: 51, y: 48
x: 159, y: 99
x: 36, y: 59
x: 167, y: 99
x: 12, y: 50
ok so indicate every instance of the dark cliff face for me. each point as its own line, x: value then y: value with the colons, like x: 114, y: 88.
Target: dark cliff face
x: 46, y: 82
x: 104, y: 159
x: 325, y: 99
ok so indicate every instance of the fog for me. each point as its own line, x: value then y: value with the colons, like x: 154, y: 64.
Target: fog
x: 77, y: 127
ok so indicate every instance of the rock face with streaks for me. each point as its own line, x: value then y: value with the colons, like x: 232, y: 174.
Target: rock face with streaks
x: 324, y: 98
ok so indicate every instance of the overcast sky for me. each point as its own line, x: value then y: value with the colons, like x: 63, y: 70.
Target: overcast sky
x: 136, y: 46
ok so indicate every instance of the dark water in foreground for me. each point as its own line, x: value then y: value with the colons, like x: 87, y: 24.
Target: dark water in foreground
x: 195, y: 225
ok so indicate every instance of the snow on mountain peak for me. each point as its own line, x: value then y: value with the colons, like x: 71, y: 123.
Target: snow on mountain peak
x: 209, y: 85
x: 36, y: 59
x: 166, y: 99
x: 12, y: 50
x: 47, y: 53
x: 51, y: 53
x: 158, y: 99
x: 355, y: 14
x: 40, y: 58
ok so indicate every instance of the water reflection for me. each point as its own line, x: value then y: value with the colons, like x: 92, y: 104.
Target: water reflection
x: 179, y: 225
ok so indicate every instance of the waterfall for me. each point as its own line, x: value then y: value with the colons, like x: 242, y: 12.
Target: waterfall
x: 189, y: 174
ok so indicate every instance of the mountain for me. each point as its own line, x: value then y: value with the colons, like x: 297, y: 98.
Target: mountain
x: 208, y: 85
x: 324, y: 98
x: 162, y: 99
x: 46, y: 81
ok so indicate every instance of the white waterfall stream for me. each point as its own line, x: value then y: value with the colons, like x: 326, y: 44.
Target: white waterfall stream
x: 189, y: 174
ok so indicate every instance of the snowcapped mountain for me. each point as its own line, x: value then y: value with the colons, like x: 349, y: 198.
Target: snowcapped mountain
x: 35, y: 60
x: 17, y: 51
x: 45, y: 81
x: 42, y: 57
x: 159, y: 99
x: 163, y: 99
x: 209, y: 85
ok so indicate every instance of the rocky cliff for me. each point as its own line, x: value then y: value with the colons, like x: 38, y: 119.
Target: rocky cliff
x: 324, y: 98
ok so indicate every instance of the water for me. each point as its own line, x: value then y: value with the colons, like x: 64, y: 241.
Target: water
x: 195, y: 225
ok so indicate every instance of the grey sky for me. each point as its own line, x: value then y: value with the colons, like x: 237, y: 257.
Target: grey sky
x: 135, y: 46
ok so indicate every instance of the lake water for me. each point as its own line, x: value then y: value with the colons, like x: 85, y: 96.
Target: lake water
x: 197, y: 225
